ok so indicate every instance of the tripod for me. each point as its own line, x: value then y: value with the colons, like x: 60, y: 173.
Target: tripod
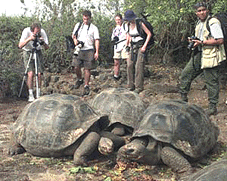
x: 34, y: 53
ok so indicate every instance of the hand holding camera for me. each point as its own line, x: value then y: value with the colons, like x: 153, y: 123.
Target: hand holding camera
x: 78, y: 47
x: 191, y: 42
x: 38, y: 39
x: 115, y: 39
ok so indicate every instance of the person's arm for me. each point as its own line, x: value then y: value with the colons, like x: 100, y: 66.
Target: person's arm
x: 73, y: 34
x: 25, y: 41
x: 96, y: 55
x: 217, y: 34
x: 146, y: 30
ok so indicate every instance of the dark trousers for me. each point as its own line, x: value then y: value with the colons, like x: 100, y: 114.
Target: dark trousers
x: 211, y: 76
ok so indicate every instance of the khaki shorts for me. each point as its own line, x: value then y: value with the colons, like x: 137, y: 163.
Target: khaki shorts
x: 121, y: 54
x: 31, y: 66
x: 84, y: 59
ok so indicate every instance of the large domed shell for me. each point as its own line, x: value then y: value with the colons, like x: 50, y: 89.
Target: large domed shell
x: 121, y: 105
x: 185, y: 126
x: 52, y: 123
x: 216, y: 171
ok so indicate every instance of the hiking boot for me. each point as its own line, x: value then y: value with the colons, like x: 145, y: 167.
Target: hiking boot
x: 86, y: 90
x: 212, y: 110
x: 78, y: 84
x: 131, y: 88
x: 184, y: 97
x: 138, y: 90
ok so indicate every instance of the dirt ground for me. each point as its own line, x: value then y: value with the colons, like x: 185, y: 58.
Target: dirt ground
x: 161, y: 84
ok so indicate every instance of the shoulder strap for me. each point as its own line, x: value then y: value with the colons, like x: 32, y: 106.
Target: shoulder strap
x: 76, y: 33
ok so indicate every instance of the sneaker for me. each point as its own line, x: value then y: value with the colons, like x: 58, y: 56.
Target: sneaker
x: 31, y: 99
x: 86, y: 90
x: 116, y: 77
x: 78, y: 84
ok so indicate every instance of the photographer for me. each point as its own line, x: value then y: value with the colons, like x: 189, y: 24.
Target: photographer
x: 33, y: 37
x: 119, y: 39
x: 208, y: 53
x: 87, y: 33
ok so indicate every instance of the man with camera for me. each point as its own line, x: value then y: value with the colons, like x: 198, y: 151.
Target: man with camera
x: 208, y: 52
x: 86, y: 39
x: 32, y: 40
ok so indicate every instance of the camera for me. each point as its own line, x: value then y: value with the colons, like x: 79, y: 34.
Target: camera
x: 127, y: 48
x: 191, y: 44
x: 115, y: 39
x: 38, y: 40
x: 79, y: 45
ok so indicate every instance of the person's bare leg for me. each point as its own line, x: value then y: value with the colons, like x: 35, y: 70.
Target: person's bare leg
x: 87, y: 75
x: 116, y: 67
x: 78, y: 72
x: 30, y: 86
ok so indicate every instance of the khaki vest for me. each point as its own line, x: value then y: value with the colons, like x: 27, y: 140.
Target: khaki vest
x: 211, y: 55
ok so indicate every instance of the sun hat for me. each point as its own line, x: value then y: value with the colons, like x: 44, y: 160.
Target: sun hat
x: 129, y: 15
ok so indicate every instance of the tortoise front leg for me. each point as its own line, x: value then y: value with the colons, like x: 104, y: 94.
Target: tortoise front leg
x: 175, y: 160
x: 86, y: 148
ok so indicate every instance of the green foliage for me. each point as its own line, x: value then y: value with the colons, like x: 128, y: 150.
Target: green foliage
x: 105, y: 26
x: 80, y: 169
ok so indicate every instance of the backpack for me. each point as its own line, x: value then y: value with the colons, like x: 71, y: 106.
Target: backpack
x: 222, y: 17
x: 142, y: 33
x: 69, y: 41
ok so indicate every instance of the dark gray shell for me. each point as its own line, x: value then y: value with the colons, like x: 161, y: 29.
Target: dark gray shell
x: 184, y: 126
x: 52, y: 123
x: 121, y: 105
x: 216, y: 171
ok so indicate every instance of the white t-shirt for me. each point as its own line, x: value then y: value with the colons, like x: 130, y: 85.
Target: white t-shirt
x: 27, y: 33
x: 120, y: 32
x: 87, y: 34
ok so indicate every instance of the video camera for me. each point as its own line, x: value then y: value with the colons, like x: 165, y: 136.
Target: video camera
x: 191, y: 44
x: 79, y: 45
x: 38, y: 40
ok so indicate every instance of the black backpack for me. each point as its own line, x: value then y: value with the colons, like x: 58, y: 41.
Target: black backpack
x: 142, y: 33
x: 222, y: 17
x: 69, y: 41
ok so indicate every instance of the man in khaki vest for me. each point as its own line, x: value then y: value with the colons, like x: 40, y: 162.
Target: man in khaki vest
x: 208, y: 53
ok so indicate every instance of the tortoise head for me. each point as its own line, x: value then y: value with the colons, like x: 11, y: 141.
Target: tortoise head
x: 143, y: 150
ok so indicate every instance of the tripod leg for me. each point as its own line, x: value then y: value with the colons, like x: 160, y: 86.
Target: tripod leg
x: 25, y: 74
x: 36, y: 75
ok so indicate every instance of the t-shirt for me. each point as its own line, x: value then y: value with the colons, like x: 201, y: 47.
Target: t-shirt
x: 29, y: 46
x: 120, y: 32
x: 87, y: 34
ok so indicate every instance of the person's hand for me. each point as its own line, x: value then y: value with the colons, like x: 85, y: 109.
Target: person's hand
x: 143, y: 49
x: 96, y: 56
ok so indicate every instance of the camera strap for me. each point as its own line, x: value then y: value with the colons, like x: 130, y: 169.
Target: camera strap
x: 81, y: 26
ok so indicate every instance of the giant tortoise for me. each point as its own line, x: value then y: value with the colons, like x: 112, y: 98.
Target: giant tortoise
x: 58, y: 125
x: 217, y: 171
x: 172, y: 132
x: 124, y: 109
